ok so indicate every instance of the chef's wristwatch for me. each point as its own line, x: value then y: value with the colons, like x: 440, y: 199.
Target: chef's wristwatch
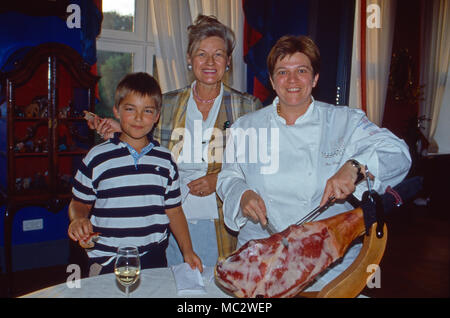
x: 359, y: 174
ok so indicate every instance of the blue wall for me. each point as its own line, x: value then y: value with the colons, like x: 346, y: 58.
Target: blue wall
x: 3, y: 143
x: 37, y: 248
x: 2, y: 214
x: 55, y: 226
x: 2, y: 241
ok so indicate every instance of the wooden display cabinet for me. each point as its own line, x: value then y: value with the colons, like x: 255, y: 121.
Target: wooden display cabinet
x: 47, y: 136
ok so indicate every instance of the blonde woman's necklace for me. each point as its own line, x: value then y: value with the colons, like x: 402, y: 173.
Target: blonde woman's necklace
x: 205, y: 101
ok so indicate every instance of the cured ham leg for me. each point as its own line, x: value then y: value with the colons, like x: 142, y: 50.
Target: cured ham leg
x: 266, y: 268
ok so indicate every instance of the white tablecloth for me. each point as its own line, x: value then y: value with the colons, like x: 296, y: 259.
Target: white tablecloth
x: 153, y: 283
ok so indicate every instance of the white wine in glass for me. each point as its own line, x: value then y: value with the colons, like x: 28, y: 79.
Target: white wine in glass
x: 127, y: 266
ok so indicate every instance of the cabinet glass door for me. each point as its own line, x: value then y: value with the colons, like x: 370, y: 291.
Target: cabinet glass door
x: 31, y: 134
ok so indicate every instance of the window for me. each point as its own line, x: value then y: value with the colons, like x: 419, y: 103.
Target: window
x: 118, y: 15
x: 112, y: 66
x: 125, y: 45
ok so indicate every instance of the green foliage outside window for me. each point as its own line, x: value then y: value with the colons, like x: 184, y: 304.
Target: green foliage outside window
x: 115, y: 21
x: 112, y: 67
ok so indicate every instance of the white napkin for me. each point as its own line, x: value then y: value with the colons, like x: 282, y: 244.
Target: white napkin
x: 208, y: 273
x: 188, y: 281
x: 195, y: 207
x: 200, y: 208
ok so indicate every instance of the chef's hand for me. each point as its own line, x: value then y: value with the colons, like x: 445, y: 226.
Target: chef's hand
x: 105, y: 127
x: 253, y: 207
x: 203, y: 186
x: 342, y: 183
x: 193, y: 260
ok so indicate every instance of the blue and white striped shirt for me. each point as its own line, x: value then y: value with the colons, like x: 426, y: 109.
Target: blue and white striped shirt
x: 129, y: 193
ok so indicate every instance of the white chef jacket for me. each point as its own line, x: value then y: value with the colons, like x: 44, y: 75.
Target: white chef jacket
x: 294, y: 162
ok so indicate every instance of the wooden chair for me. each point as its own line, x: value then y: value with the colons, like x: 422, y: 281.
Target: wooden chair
x: 352, y: 281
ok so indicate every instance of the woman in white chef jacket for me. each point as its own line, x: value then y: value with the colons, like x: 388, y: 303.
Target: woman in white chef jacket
x: 284, y: 160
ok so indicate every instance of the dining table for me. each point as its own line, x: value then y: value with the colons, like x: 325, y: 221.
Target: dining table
x: 152, y: 283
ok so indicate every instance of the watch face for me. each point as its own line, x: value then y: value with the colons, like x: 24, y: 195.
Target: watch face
x: 355, y: 163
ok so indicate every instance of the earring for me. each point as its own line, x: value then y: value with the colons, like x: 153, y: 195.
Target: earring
x: 189, y: 67
x: 227, y: 68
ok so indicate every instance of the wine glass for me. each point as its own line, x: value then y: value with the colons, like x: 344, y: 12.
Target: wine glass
x: 127, y: 266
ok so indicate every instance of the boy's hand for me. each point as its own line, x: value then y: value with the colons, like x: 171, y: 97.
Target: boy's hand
x: 180, y: 230
x: 80, y: 229
x: 194, y: 261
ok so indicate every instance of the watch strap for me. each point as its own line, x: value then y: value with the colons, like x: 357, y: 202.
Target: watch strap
x: 359, y: 174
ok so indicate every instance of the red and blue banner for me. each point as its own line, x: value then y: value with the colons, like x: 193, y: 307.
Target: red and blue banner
x: 25, y: 24
x: 265, y: 22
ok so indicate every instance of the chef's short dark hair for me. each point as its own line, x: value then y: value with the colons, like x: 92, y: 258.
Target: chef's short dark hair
x: 289, y: 45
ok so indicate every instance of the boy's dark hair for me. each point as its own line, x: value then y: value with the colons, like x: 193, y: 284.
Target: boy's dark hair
x: 139, y: 83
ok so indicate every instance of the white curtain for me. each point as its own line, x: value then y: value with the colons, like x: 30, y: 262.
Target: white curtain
x: 170, y: 19
x: 380, y: 26
x: 354, y: 98
x: 435, y: 68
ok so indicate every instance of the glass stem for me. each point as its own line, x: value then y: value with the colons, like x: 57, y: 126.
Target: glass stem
x: 127, y: 292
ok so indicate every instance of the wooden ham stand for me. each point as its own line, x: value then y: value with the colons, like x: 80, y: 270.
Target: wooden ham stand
x: 353, y: 280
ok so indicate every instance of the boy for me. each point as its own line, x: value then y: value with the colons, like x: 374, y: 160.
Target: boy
x: 130, y: 186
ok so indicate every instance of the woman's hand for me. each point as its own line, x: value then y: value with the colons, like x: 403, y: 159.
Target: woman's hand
x: 105, y: 127
x: 203, y: 186
x: 253, y: 207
